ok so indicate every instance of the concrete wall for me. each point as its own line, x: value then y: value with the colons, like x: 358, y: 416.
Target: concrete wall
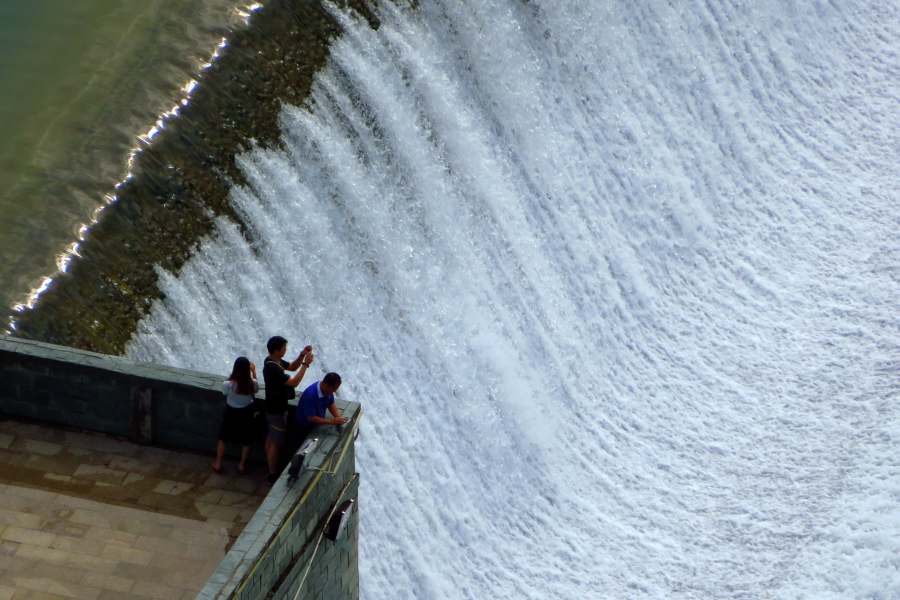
x: 284, y: 539
x: 97, y: 392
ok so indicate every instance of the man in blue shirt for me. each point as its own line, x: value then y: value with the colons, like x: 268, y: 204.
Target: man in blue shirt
x: 315, y: 401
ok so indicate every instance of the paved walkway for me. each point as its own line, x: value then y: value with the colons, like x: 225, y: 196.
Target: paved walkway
x: 84, y: 515
x: 55, y: 547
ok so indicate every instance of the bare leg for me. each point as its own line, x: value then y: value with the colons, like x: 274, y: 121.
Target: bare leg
x: 272, y: 455
x: 220, y: 452
x: 244, y: 454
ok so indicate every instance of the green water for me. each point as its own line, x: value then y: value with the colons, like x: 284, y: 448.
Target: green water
x: 79, y: 81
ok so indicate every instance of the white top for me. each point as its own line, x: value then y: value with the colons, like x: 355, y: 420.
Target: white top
x: 237, y: 400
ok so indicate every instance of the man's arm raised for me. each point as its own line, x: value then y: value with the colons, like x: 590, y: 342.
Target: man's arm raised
x: 298, y: 376
x: 299, y: 360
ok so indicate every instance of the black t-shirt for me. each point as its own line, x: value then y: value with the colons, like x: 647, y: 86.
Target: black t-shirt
x: 277, y: 393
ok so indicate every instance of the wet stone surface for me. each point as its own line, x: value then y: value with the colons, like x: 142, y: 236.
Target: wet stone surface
x: 111, y: 470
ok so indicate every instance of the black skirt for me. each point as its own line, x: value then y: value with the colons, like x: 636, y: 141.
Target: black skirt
x: 237, y: 426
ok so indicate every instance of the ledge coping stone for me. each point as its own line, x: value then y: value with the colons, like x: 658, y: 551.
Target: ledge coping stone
x: 273, y: 513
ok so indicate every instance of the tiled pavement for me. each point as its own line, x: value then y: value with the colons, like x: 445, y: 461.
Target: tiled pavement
x: 54, y: 547
x: 84, y: 515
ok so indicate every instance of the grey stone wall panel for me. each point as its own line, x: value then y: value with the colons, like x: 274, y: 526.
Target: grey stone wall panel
x: 94, y: 391
x: 19, y: 377
x: 15, y: 406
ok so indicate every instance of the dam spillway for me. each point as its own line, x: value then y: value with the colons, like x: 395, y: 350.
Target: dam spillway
x: 617, y: 282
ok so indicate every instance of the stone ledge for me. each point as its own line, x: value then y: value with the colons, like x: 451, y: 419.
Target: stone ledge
x: 117, y: 366
x: 253, y: 554
x: 114, y: 365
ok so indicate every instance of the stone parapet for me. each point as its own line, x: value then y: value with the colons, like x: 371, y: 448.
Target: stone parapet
x: 282, y: 553
x: 145, y: 401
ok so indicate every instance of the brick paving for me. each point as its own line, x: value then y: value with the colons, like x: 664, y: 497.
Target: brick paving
x: 91, y: 516
x: 54, y: 546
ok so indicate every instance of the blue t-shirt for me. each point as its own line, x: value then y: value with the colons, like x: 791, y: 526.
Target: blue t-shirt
x: 312, y: 404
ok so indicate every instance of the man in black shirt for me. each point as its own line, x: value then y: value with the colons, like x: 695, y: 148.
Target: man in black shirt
x: 279, y: 389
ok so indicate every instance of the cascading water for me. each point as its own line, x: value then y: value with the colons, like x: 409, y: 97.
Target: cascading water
x: 616, y: 283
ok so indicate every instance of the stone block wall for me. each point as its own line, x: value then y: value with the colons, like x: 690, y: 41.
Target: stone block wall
x: 283, y: 547
x: 96, y: 392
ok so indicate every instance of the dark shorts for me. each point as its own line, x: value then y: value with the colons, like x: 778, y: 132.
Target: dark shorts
x: 237, y: 426
x: 277, y: 428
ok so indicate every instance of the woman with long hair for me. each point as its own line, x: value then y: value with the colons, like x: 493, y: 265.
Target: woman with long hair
x: 237, y: 422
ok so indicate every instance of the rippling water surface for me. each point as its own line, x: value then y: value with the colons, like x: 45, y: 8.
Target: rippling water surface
x: 79, y: 82
x: 616, y: 283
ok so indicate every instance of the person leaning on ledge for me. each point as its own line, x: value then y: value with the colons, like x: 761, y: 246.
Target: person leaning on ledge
x: 279, y: 389
x: 315, y: 400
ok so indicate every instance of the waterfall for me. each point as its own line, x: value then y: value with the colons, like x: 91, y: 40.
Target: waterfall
x: 615, y: 282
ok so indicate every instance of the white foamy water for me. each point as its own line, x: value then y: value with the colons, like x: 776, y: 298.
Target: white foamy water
x: 617, y: 284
